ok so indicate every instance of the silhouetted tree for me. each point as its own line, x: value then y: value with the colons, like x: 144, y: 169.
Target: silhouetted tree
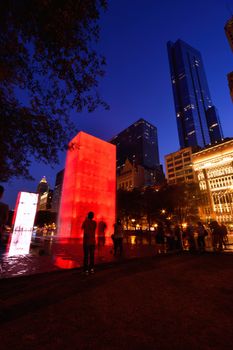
x: 48, y: 66
x: 151, y: 205
x: 181, y: 200
x: 129, y: 205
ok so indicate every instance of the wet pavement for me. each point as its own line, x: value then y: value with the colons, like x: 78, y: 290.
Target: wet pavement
x: 50, y: 254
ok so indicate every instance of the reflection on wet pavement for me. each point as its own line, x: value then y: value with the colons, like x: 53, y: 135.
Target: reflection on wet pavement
x: 51, y: 254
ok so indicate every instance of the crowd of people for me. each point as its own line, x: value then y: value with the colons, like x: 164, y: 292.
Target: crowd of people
x: 190, y: 237
x: 168, y: 236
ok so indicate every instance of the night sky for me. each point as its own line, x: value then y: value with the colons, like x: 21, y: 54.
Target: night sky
x: 137, y: 83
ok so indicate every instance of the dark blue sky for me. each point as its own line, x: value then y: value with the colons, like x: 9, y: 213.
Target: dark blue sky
x: 137, y: 81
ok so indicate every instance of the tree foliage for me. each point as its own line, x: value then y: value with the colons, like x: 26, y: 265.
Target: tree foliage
x: 178, y: 202
x: 48, y: 66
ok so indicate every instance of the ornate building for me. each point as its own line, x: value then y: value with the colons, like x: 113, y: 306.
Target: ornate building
x: 45, y: 195
x: 130, y: 176
x: 213, y: 168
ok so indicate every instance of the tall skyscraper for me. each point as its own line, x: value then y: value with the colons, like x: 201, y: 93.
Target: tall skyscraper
x: 138, y: 143
x: 197, y: 119
x: 230, y: 83
x: 57, y: 191
x: 229, y: 33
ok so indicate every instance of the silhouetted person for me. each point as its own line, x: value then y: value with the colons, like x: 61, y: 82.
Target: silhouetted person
x: 101, y: 232
x: 160, y: 239
x: 89, y: 228
x: 190, y: 237
x: 178, y: 237
x: 216, y: 235
x: 224, y: 235
x: 201, y: 236
x: 169, y: 234
x: 118, y: 237
x: 4, y: 211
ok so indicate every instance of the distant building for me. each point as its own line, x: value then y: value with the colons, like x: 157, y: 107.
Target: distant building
x: 229, y: 31
x: 45, y: 195
x: 213, y: 167
x: 131, y: 176
x: 179, y: 166
x: 138, y: 143
x: 137, y: 147
x: 197, y: 120
x: 214, y: 126
x: 230, y: 83
x: 42, y: 186
x: 229, y: 34
x: 45, y: 201
x: 57, y: 191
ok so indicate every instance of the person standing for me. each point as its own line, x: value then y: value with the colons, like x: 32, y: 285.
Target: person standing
x: 160, y: 239
x: 201, y: 236
x: 4, y: 211
x: 178, y: 237
x: 101, y: 232
x: 89, y: 228
x: 190, y: 237
x: 224, y: 235
x: 118, y: 237
x: 216, y: 236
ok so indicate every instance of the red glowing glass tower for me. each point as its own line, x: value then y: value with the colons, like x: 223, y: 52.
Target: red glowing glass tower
x: 89, y: 185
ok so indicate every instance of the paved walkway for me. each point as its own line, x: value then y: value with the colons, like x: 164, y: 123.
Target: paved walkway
x: 175, y: 302
x: 50, y: 254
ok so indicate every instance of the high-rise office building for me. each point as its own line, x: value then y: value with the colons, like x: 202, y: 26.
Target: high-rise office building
x: 42, y: 186
x: 197, y: 119
x: 57, y: 191
x: 138, y: 143
x: 229, y: 31
x: 230, y: 83
x: 138, y: 146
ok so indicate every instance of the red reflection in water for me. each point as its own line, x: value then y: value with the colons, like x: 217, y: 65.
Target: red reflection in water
x: 64, y: 263
x: 89, y: 185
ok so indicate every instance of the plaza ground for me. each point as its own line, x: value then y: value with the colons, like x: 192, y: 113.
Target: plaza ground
x: 165, y: 302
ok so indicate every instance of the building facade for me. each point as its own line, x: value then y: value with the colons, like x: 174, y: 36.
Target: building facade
x: 42, y: 186
x: 229, y: 31
x: 138, y: 143
x: 213, y: 169
x: 57, y: 191
x: 229, y: 34
x: 230, y: 84
x: 131, y: 176
x: 179, y: 166
x: 197, y: 119
x: 45, y: 195
x: 137, y: 151
x: 45, y: 200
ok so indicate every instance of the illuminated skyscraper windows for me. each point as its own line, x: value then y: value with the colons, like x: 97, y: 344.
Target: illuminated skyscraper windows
x: 195, y: 111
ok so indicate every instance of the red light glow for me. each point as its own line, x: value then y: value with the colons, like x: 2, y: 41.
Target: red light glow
x: 89, y: 185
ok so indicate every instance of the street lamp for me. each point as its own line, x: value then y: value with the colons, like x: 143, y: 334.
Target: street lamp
x: 133, y: 223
